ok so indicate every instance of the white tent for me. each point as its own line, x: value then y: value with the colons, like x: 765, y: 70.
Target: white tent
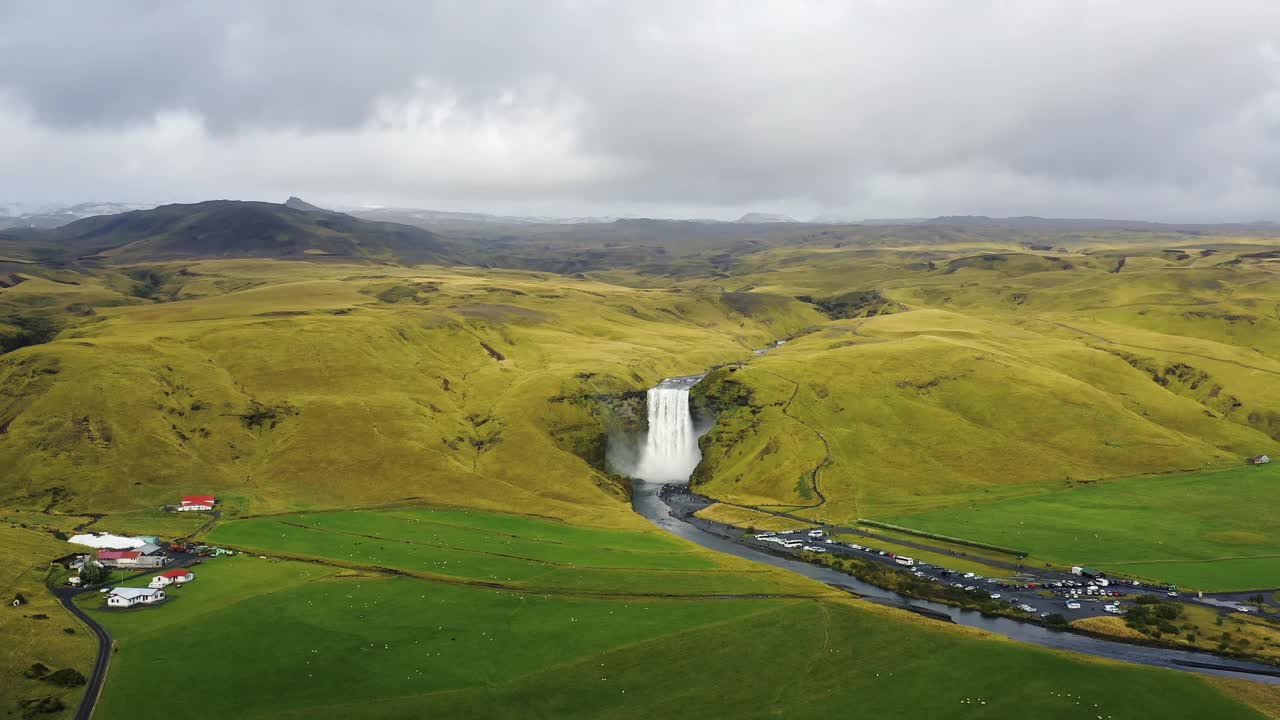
x: 107, y: 541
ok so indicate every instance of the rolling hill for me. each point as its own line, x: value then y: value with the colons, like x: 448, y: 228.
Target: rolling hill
x: 289, y: 360
x: 226, y: 228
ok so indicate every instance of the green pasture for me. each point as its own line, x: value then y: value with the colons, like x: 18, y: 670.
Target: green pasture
x: 1211, y: 531
x: 353, y: 645
x: 511, y: 550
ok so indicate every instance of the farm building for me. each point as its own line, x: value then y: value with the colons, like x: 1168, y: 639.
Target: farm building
x: 1259, y: 460
x: 172, y: 577
x: 197, y: 502
x: 107, y: 541
x: 131, y: 559
x: 129, y: 597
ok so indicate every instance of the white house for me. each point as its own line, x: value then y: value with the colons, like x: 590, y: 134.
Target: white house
x: 173, y: 577
x: 1259, y: 460
x: 129, y: 597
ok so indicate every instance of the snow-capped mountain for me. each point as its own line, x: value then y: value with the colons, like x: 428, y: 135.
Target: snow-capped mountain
x: 25, y: 215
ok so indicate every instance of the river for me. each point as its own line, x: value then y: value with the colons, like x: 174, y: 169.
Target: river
x: 646, y: 501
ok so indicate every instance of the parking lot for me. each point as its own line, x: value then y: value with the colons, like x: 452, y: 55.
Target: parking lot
x: 1039, y: 594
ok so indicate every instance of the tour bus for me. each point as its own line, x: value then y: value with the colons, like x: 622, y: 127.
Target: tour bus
x: 904, y: 560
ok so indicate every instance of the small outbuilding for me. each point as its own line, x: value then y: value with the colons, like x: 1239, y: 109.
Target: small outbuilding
x: 124, y: 597
x: 1259, y: 460
x: 173, y: 577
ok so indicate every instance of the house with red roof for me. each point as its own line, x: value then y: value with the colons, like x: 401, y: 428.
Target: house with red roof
x: 197, y: 502
x: 119, y: 558
x: 177, y: 576
x: 131, y: 559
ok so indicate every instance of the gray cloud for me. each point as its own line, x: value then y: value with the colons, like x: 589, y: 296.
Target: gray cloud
x: 1162, y: 109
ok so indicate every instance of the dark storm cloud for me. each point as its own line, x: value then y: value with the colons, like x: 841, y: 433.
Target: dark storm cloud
x: 1156, y: 109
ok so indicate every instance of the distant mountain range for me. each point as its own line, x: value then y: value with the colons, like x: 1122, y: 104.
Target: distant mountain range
x: 1031, y: 222
x: 19, y: 216
x: 14, y: 215
x: 412, y: 216
x: 759, y: 217
x: 225, y: 228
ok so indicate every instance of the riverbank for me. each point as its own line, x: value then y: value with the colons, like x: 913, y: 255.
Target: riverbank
x: 672, y: 508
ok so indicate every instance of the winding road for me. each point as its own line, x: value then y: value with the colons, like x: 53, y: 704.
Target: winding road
x: 93, y: 689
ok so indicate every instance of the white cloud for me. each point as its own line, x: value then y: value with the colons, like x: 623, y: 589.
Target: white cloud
x: 1166, y: 109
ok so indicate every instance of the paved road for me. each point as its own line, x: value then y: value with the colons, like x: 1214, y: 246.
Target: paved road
x: 93, y: 689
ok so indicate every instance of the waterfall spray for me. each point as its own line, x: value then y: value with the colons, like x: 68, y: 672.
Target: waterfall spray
x: 670, y: 451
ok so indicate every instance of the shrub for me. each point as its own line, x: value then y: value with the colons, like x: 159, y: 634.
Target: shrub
x: 67, y: 677
x: 268, y: 415
x: 41, y: 706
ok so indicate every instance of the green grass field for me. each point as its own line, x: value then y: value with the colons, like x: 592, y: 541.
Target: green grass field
x: 357, y: 645
x: 509, y: 550
x: 1210, y: 531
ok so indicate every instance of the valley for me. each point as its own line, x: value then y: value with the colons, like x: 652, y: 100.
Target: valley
x: 421, y: 454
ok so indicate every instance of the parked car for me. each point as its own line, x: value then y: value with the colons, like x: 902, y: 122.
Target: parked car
x: 995, y: 596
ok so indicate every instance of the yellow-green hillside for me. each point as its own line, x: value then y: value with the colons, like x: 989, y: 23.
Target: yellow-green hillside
x: 338, y: 386
x: 961, y: 377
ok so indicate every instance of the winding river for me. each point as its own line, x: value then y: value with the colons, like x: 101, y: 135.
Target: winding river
x: 647, y: 501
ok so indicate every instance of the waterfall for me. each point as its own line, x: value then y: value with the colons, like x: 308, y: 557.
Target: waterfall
x: 670, y: 451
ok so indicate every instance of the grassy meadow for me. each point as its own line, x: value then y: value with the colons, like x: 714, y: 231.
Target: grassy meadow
x: 530, y: 554
x: 1184, y: 529
x: 36, y: 631
x: 360, y: 644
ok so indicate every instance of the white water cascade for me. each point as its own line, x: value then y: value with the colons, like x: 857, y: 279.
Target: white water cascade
x: 670, y: 451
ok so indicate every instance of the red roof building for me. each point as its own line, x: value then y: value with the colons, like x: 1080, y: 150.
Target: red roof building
x: 178, y: 577
x: 119, y: 554
x: 197, y: 502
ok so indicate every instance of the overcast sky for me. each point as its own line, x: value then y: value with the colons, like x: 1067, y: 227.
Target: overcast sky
x: 1156, y: 110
